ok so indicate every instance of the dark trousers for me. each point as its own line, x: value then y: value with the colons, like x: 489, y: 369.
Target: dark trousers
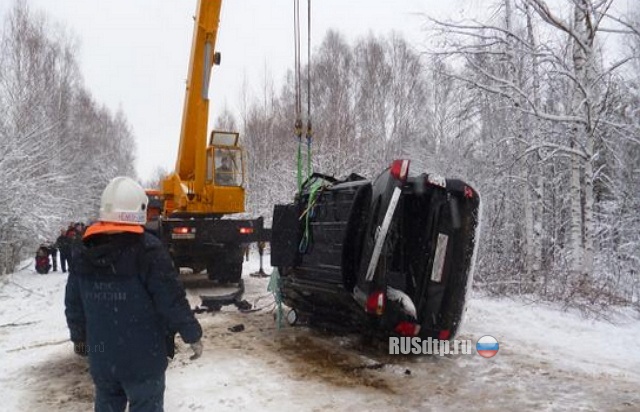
x: 143, y: 396
x: 54, y: 260
x: 65, y: 258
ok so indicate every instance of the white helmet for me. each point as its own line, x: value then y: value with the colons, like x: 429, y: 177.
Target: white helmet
x: 124, y: 201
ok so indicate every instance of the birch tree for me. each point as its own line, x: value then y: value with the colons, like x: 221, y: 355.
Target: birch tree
x: 58, y: 147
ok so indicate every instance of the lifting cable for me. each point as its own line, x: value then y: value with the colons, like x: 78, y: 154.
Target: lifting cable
x: 274, y: 283
x: 302, y: 176
x: 309, y: 129
x: 315, y: 187
x: 298, y: 103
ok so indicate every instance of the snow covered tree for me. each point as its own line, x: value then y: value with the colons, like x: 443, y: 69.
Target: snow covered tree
x: 58, y: 148
x: 551, y: 103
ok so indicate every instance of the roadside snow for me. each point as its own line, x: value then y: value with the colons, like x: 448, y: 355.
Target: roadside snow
x: 548, y: 360
x: 567, y: 339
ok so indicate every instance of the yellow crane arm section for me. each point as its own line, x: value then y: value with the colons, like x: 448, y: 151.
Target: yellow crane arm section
x: 190, y: 164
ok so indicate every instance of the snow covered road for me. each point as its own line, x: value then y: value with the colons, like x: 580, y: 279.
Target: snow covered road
x: 548, y: 360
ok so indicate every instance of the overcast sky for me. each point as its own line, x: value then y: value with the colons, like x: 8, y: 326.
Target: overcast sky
x: 134, y: 53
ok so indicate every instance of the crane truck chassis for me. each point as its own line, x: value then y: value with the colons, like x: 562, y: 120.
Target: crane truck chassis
x: 211, y: 243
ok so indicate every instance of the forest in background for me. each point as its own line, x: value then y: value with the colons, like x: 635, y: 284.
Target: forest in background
x: 531, y: 105
x: 58, y: 146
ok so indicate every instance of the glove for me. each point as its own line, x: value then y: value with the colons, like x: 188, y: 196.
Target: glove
x: 80, y: 348
x: 197, y: 350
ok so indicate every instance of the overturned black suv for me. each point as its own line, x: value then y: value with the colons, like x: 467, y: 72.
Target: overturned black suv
x: 390, y: 257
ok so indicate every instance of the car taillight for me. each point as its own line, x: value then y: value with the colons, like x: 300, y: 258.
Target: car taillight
x: 468, y: 192
x: 405, y: 328
x: 444, y: 334
x: 400, y: 169
x: 183, y: 230
x: 246, y: 230
x: 375, y: 303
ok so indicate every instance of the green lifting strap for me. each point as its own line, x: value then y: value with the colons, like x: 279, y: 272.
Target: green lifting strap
x: 302, y: 176
x: 274, y: 287
x: 299, y: 161
x: 316, y: 187
x: 298, y: 136
x: 309, y: 140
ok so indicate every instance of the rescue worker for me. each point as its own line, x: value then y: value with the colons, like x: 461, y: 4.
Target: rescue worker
x: 63, y: 244
x: 124, y: 304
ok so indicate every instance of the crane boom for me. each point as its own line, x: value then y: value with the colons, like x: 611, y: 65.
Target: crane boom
x: 190, y: 164
x: 208, y: 181
x: 208, y: 178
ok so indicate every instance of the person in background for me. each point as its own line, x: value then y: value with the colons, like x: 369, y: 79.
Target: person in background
x: 75, y: 236
x: 224, y: 173
x: 124, y: 304
x: 63, y: 244
x: 71, y: 231
x: 79, y: 229
x: 42, y: 260
x: 53, y: 252
x: 246, y: 250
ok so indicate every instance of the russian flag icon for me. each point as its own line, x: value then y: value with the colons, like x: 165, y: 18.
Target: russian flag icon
x: 487, y: 346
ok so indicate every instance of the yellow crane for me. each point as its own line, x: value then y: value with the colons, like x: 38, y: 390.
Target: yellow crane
x: 208, y: 181
x: 194, y: 186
